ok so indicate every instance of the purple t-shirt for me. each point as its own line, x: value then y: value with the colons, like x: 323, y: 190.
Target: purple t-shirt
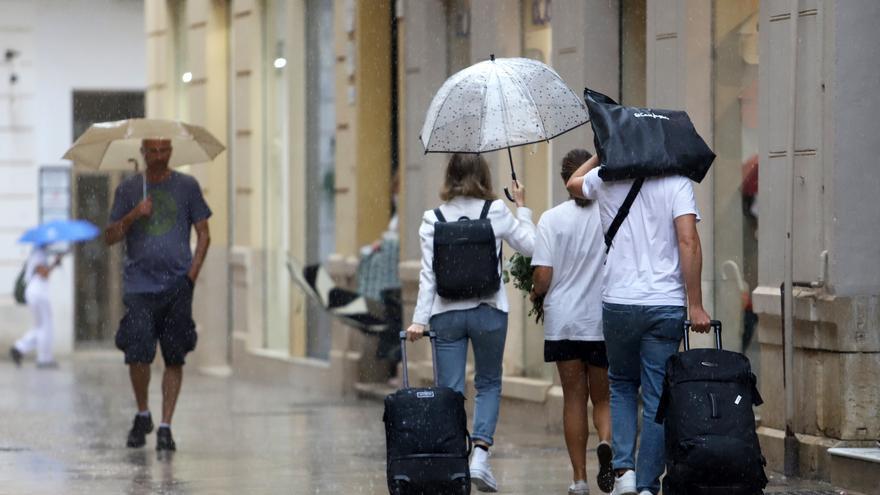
x: 157, y: 248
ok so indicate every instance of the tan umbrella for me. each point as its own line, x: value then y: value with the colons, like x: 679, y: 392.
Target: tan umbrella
x: 115, y: 145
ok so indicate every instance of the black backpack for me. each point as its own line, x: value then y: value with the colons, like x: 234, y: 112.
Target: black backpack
x: 20, y: 286
x: 706, y: 408
x: 466, y: 265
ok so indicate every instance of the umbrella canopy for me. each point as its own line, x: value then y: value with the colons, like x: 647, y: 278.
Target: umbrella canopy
x: 112, y: 145
x: 500, y: 103
x: 61, y: 231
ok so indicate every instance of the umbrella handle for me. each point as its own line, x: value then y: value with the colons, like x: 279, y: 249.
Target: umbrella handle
x: 136, y: 169
x: 512, y: 174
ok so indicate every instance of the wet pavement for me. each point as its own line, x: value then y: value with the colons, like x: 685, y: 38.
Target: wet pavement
x: 63, y: 432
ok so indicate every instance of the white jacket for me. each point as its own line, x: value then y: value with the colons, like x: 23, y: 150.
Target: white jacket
x: 518, y: 231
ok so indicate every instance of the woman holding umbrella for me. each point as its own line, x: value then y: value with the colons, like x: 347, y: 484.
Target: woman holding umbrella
x: 39, y: 337
x: 482, y: 319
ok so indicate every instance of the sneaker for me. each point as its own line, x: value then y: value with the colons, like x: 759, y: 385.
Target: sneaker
x: 137, y: 436
x: 16, y: 356
x: 481, y: 472
x: 625, y: 484
x: 579, y: 487
x: 645, y: 492
x: 164, y: 440
x: 605, y: 478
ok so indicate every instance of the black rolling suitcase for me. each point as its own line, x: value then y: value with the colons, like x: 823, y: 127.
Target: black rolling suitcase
x: 426, y: 437
x: 706, y: 408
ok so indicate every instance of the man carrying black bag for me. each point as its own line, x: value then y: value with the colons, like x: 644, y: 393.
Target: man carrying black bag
x: 706, y: 410
x: 651, y: 283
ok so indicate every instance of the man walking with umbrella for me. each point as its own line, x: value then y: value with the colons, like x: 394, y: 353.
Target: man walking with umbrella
x: 159, y: 277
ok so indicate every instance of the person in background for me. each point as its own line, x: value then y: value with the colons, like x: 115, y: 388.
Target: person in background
x: 40, y: 336
x: 159, y: 279
x: 568, y: 275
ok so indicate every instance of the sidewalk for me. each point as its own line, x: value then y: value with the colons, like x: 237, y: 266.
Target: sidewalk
x: 63, y: 432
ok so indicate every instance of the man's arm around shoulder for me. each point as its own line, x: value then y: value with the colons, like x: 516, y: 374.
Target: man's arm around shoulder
x: 575, y: 184
x: 691, y: 255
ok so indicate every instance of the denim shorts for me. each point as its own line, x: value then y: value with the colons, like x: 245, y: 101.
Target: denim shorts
x: 164, y: 318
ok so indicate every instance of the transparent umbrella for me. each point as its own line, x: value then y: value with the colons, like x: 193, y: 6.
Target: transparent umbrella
x: 500, y: 103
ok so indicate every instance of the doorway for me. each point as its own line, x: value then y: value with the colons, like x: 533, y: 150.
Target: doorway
x: 98, y: 268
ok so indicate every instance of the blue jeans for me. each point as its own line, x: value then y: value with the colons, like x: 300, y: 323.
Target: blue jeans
x: 639, y: 340
x: 486, y: 327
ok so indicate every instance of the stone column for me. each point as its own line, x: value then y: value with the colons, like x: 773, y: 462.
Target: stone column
x: 207, y: 95
x: 424, y: 61
x: 835, y: 234
x: 586, y: 52
x: 679, y: 70
x: 496, y: 28
x: 363, y: 143
x: 246, y: 120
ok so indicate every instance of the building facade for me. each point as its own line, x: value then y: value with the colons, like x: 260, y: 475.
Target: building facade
x: 321, y: 103
x: 54, y: 82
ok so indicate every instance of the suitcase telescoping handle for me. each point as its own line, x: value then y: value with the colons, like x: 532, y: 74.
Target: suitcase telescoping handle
x: 715, y: 324
x: 431, y: 335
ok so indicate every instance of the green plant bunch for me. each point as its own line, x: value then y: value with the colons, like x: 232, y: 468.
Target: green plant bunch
x: 519, y: 268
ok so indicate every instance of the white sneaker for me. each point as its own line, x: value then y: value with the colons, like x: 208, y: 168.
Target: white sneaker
x: 579, y: 487
x: 645, y: 492
x: 625, y: 484
x: 481, y: 472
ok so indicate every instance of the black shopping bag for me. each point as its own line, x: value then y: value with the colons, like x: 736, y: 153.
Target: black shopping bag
x: 636, y: 142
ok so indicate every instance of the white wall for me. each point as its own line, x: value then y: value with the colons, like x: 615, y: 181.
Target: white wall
x: 65, y: 45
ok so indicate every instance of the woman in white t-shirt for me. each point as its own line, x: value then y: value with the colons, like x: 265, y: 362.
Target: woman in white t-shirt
x: 467, y: 191
x: 568, y: 274
x: 40, y: 336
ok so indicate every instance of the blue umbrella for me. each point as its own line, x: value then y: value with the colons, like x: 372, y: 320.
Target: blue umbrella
x: 61, y: 231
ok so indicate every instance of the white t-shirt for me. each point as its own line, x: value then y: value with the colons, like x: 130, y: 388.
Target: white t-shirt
x: 643, y: 265
x: 570, y: 241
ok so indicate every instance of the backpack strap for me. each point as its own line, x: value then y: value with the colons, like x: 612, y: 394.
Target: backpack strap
x: 439, y: 214
x: 485, y: 213
x: 622, y: 212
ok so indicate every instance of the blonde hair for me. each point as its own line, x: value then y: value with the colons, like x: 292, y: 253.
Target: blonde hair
x: 469, y: 176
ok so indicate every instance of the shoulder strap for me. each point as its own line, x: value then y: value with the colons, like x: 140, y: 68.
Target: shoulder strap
x: 439, y: 214
x: 622, y: 212
x: 485, y: 213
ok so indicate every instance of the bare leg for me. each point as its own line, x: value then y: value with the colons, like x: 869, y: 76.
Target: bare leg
x: 171, y: 382
x: 139, y: 373
x: 600, y: 395
x: 575, y: 390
